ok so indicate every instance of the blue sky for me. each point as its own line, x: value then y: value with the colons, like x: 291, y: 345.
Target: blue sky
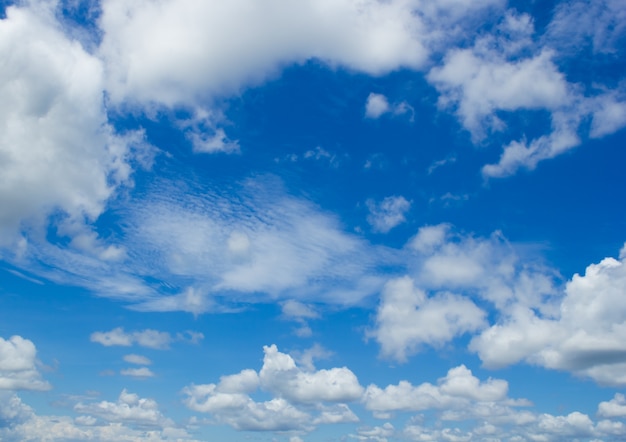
x: 359, y: 220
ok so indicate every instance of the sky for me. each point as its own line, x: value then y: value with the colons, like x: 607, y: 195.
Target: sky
x: 323, y: 220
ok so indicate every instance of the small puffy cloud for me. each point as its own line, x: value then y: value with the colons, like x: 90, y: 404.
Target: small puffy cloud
x: 145, y: 338
x: 407, y: 319
x: 376, y: 105
x: 609, y: 114
x: 18, y: 365
x: 140, y: 373
x: 117, y: 336
x: 429, y: 237
x: 137, y: 359
x: 300, y: 312
x: 616, y: 407
x: 388, y: 213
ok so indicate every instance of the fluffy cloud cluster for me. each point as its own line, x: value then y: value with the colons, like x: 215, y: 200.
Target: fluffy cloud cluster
x: 303, y: 399
x: 129, y: 408
x: 129, y: 419
x: 407, y: 318
x: 498, y: 76
x: 297, y: 393
x: 18, y: 365
x: 457, y: 390
x: 449, y: 273
x: 585, y: 336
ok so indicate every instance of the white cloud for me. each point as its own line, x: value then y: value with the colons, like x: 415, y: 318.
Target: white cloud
x: 58, y: 151
x: 578, y: 23
x: 586, y: 335
x: 129, y: 408
x: 609, y: 114
x: 458, y: 389
x: 281, y: 376
x: 406, y: 318
x: 490, y: 268
x: 145, y: 338
x: 137, y: 359
x: 299, y: 312
x: 377, y: 434
x: 616, y: 407
x: 305, y: 358
x: 388, y: 213
x: 242, y: 413
x: 480, y: 84
x: 259, y: 244
x: 152, y: 54
x: 18, y: 422
x: 140, y: 373
x: 336, y: 414
x: 117, y: 336
x: 376, y: 105
x: 18, y: 365
x: 296, y: 393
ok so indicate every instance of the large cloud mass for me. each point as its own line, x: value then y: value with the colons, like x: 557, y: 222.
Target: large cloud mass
x: 57, y: 150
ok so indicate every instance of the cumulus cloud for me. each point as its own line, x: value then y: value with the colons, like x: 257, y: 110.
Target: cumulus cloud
x: 18, y: 365
x: 406, y: 318
x: 129, y: 419
x: 129, y: 408
x: 376, y: 105
x: 586, y: 335
x: 456, y: 390
x: 616, y: 407
x: 388, y: 213
x: 490, y: 268
x: 295, y: 393
x: 281, y: 376
x: 151, y: 49
x: 58, y: 151
x: 507, y: 71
